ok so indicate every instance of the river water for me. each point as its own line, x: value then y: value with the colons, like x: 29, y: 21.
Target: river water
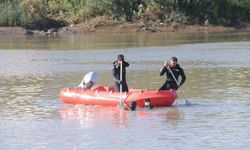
x: 33, y: 70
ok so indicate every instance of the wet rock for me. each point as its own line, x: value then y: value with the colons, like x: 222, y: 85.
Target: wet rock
x: 28, y: 32
x: 42, y: 33
x: 52, y: 30
x: 150, y: 29
x: 206, y: 23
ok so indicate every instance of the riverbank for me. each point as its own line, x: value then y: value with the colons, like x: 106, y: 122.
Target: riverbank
x: 120, y: 28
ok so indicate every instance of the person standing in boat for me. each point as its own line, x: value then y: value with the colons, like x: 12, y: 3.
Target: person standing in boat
x: 172, y: 68
x: 116, y: 73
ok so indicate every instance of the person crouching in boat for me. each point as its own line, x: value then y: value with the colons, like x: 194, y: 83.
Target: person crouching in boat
x: 173, y: 71
x: 88, y: 81
x: 116, y: 73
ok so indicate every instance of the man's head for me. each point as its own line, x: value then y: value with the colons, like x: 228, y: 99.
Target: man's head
x: 120, y: 57
x: 173, y: 61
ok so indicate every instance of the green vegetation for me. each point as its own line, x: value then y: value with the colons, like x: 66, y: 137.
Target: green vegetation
x: 9, y: 13
x: 44, y: 14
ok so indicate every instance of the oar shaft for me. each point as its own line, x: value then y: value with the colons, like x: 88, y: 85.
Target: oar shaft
x: 121, y: 84
x: 173, y: 76
x: 178, y: 85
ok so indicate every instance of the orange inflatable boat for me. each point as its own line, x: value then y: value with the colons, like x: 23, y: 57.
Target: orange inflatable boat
x: 106, y: 96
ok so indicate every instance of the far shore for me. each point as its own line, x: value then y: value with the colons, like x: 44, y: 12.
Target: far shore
x: 121, y: 28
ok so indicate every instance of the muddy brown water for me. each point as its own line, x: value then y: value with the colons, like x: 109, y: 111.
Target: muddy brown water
x: 33, y: 70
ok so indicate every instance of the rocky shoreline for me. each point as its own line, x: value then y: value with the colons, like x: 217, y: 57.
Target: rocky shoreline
x: 121, y: 28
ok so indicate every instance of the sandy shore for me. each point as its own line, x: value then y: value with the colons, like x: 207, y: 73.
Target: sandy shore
x: 122, y: 28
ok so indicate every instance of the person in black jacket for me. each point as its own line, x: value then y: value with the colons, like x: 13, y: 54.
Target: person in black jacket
x: 176, y: 70
x: 116, y: 73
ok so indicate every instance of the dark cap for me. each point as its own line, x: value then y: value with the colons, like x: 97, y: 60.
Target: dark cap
x: 174, y: 59
x: 120, y: 57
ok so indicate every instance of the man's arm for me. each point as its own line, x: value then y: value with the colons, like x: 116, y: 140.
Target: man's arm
x: 126, y: 64
x: 163, y: 70
x: 183, y: 77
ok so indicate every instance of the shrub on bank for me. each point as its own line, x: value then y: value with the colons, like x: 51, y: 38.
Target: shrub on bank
x: 9, y: 13
x: 44, y: 14
x: 33, y: 14
x: 89, y: 9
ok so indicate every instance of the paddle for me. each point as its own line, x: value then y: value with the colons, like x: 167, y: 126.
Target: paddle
x: 121, y: 104
x: 187, y: 102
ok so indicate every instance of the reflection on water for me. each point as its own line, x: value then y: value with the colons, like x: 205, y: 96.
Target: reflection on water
x: 26, y: 96
x: 99, y: 116
x: 94, y: 116
x: 109, y: 40
x: 219, y: 83
x: 173, y: 115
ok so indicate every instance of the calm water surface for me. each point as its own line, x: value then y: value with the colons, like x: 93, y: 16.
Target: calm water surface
x: 33, y: 70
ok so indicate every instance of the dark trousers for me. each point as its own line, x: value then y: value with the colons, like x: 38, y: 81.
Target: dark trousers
x: 169, y: 85
x: 124, y: 87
